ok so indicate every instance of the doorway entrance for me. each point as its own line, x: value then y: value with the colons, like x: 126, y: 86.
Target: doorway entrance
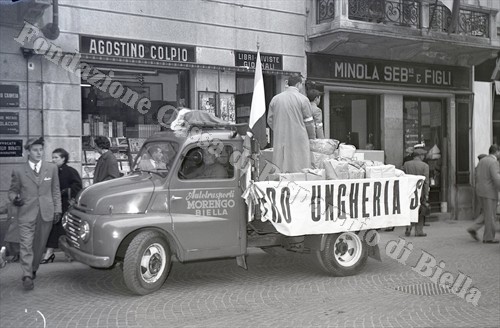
x: 424, y: 122
x: 355, y: 119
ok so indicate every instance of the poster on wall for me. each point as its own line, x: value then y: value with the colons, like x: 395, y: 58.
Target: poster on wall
x: 9, y: 123
x: 11, y: 148
x: 9, y: 95
x: 207, y: 101
x: 227, y: 107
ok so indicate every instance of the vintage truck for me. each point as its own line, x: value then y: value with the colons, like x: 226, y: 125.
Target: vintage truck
x: 191, y: 207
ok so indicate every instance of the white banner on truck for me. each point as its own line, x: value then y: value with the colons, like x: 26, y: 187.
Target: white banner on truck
x: 329, y: 206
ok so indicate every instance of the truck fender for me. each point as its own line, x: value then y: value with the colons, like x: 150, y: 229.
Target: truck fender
x: 126, y: 241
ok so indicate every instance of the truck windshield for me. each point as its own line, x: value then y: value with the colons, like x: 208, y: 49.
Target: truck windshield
x: 156, y: 157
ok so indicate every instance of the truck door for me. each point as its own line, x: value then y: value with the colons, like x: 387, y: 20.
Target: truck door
x: 207, y: 210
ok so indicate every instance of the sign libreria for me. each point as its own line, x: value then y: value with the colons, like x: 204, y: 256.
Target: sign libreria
x: 379, y: 71
x: 249, y: 58
x: 137, y: 49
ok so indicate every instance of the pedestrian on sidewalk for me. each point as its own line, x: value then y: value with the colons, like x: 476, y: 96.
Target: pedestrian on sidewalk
x: 70, y: 184
x: 478, y: 213
x: 487, y: 188
x: 417, y: 166
x: 107, y: 165
x: 34, y: 189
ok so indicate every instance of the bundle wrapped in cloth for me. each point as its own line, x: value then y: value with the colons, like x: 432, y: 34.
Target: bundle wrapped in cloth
x: 336, y: 170
x: 323, y: 146
x: 381, y: 171
x: 346, y: 151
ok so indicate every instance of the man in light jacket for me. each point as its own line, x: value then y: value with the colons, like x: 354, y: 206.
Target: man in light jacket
x: 34, y: 189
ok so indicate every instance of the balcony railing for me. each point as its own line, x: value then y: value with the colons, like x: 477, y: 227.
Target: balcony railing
x: 397, y: 12
x: 325, y: 11
x: 407, y: 13
x: 470, y: 22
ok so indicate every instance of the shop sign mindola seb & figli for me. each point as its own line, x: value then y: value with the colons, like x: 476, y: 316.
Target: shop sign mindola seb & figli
x: 134, y: 49
x: 387, y: 72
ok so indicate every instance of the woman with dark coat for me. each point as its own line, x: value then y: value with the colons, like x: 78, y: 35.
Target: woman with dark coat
x: 70, y: 184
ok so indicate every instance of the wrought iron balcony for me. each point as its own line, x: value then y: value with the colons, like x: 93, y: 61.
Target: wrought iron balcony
x: 409, y: 13
x: 325, y: 11
x: 397, y: 12
x: 472, y: 23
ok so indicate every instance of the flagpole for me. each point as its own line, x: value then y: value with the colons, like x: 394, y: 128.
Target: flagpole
x: 255, y: 142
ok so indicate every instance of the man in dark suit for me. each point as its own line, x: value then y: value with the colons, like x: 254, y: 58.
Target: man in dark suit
x: 107, y: 165
x: 487, y: 187
x: 417, y: 166
x: 34, y: 188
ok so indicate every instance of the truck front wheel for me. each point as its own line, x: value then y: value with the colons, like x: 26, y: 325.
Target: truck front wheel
x: 344, y: 254
x: 147, y: 263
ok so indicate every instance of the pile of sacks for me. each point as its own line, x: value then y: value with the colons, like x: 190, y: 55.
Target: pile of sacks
x: 337, y: 161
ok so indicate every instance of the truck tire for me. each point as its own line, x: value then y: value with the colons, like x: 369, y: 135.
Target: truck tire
x: 345, y: 254
x: 147, y: 263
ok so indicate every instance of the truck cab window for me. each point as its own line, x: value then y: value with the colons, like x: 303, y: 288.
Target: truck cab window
x: 207, y: 163
x: 156, y: 157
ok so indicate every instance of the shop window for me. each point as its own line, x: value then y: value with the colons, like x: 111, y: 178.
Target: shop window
x: 127, y: 105
x: 424, y: 123
x: 207, y: 163
x: 355, y: 119
x: 120, y: 108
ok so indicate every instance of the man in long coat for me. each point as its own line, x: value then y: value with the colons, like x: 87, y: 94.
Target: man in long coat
x: 417, y: 166
x: 34, y: 189
x: 487, y: 187
x: 290, y: 118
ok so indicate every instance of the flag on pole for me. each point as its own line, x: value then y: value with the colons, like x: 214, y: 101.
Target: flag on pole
x: 454, y: 7
x: 257, y: 122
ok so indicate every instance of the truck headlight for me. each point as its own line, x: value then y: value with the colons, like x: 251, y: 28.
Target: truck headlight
x: 84, y: 231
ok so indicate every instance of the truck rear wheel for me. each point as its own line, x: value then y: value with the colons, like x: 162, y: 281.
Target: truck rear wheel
x: 344, y: 254
x: 147, y: 263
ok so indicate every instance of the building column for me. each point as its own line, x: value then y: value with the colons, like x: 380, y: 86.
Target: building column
x: 391, y: 116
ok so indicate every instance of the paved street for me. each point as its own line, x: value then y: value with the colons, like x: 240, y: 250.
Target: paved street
x: 283, y: 291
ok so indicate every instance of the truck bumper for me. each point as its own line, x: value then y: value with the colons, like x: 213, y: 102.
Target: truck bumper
x: 78, y: 255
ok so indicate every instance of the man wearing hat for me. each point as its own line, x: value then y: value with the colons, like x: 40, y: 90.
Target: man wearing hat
x: 417, y: 166
x: 34, y: 189
x: 314, y: 97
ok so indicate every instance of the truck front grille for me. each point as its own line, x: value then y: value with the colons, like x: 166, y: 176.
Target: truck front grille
x: 73, y: 229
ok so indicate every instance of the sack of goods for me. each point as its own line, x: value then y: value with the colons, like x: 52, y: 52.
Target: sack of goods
x: 346, y: 151
x: 318, y: 159
x: 323, y: 146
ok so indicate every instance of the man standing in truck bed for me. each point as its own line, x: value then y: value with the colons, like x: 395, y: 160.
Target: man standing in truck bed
x: 290, y: 118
